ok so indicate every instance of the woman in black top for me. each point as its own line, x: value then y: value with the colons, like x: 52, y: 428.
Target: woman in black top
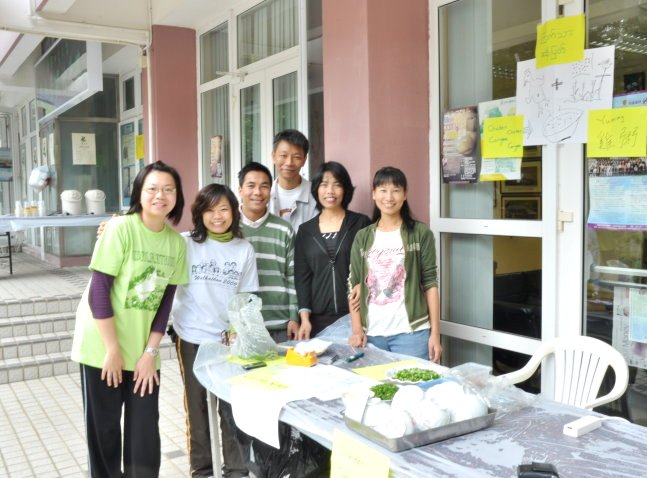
x: 322, y: 251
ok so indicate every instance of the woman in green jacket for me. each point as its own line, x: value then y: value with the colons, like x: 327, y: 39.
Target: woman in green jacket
x: 394, y: 261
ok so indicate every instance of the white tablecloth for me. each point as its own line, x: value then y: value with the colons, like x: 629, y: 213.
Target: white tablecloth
x: 13, y: 223
x: 617, y: 449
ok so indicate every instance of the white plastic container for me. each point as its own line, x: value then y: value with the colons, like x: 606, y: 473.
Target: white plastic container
x: 95, y: 201
x: 71, y: 202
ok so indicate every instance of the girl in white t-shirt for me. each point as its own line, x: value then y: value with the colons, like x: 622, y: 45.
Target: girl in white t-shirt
x: 394, y: 262
x: 220, y: 264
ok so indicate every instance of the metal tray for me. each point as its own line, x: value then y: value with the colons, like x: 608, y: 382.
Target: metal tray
x: 425, y: 437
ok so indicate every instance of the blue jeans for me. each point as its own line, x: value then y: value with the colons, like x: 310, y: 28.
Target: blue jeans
x: 412, y: 343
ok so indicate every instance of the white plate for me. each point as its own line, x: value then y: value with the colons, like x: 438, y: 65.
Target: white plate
x: 390, y: 374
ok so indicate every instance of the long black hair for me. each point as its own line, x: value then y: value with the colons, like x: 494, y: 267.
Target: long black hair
x: 136, y: 195
x: 340, y: 174
x: 207, y: 198
x: 391, y: 175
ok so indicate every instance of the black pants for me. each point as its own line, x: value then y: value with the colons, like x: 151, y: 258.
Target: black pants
x: 235, y: 443
x: 141, y: 439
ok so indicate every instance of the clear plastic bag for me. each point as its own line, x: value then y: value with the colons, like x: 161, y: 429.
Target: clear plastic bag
x: 252, y: 338
x: 498, y: 392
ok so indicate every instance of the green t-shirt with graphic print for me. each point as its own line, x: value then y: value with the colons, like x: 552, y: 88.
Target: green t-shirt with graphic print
x: 143, y: 263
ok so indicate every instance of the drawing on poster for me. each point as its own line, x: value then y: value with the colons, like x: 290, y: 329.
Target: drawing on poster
x: 554, y: 100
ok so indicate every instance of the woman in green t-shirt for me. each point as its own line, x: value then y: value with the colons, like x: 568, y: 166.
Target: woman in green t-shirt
x: 137, y: 263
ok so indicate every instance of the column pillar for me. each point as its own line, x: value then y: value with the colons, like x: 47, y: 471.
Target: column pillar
x: 174, y: 127
x: 376, y: 93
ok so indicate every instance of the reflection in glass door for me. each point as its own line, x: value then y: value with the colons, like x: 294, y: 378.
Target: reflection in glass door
x: 250, y: 123
x: 284, y: 98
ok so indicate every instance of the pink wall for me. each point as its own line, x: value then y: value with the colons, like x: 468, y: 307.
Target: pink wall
x: 376, y: 100
x: 175, y: 114
x: 346, y: 95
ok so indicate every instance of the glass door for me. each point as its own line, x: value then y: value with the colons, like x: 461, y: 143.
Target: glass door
x: 615, y: 259
x: 267, y: 102
x: 500, y: 241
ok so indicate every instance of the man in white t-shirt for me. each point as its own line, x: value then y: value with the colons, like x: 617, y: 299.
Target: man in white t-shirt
x: 290, y: 198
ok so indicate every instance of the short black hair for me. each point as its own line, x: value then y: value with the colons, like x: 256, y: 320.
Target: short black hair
x: 395, y: 176
x: 252, y: 166
x: 294, y: 137
x: 207, y: 198
x: 340, y: 174
x: 136, y: 195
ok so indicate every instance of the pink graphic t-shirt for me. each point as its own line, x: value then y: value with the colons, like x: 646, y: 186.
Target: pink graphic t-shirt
x: 387, y: 314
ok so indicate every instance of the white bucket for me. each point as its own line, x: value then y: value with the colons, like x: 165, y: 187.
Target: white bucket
x: 71, y: 202
x: 95, y: 201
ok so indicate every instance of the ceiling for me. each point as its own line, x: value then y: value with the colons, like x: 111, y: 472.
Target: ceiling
x: 118, y: 19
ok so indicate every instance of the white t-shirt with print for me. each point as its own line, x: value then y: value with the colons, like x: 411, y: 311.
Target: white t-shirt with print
x: 288, y: 199
x: 387, y: 314
x: 217, y: 271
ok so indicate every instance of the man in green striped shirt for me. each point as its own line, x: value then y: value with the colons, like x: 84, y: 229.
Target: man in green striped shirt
x: 273, y: 242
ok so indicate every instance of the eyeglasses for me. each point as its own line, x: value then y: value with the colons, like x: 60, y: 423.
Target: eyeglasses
x: 168, y: 191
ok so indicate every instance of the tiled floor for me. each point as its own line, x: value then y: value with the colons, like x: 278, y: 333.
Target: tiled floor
x: 41, y: 420
x: 42, y: 427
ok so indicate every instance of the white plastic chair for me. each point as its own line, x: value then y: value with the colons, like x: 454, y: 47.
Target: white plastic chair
x: 580, y: 365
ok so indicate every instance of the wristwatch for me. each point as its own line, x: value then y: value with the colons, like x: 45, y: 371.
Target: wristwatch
x: 154, y: 351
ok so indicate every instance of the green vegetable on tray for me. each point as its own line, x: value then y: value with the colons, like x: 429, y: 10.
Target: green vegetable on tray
x: 385, y: 391
x: 416, y: 375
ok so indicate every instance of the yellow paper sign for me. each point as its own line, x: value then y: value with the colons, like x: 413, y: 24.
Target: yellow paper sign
x: 378, y: 372
x: 502, y: 137
x: 265, y: 378
x: 139, y: 146
x: 560, y: 41
x: 620, y: 132
x: 351, y: 458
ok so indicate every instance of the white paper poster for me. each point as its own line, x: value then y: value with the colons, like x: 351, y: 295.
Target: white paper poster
x: 84, y: 150
x: 618, y: 194
x: 555, y: 100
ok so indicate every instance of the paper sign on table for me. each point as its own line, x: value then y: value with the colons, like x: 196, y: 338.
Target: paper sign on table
x: 352, y: 458
x: 619, y: 132
x: 378, y: 372
x: 265, y: 378
x: 502, y: 137
x: 560, y: 41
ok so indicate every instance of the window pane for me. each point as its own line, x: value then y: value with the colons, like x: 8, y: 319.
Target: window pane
x: 214, y: 55
x: 250, y: 123
x: 508, y: 299
x: 129, y: 94
x: 216, y: 166
x: 479, y: 64
x: 267, y: 29
x: 284, y: 94
x: 315, y: 85
x: 23, y: 121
